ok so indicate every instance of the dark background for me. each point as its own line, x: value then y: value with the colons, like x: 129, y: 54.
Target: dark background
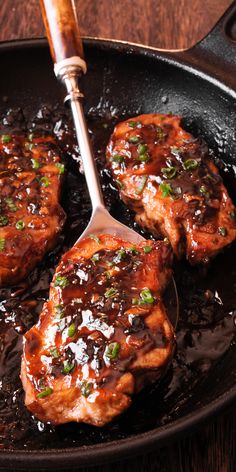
x: 164, y: 24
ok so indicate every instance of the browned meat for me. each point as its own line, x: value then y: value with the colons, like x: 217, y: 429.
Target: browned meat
x: 167, y: 178
x: 30, y: 215
x: 103, y: 334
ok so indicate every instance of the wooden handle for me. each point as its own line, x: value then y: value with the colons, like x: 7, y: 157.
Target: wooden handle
x: 62, y: 29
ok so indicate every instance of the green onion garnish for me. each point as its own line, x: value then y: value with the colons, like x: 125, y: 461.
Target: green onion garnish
x: 134, y: 139
x: 30, y: 136
x: 147, y: 249
x: 3, y: 220
x: 35, y: 163
x: 29, y: 146
x: 120, y: 255
x: 86, y: 388
x: 166, y: 189
x: 67, y: 367
x: 112, y: 350
x: 222, y: 231
x: 161, y: 133
x: 169, y: 172
x: 120, y: 184
x: 20, y: 225
x: 204, y: 191
x: 47, y: 391
x: 95, y: 238
x: 61, y: 281
x: 59, y: 311
x: 118, y: 158
x: 133, y: 124
x: 44, y: 181
x: 146, y: 296
x: 71, y: 330
x: 141, y: 185
x: 142, y: 148
x: 143, y: 157
x: 133, y: 250
x: 110, y: 292
x: 176, y: 151
x: 95, y: 258
x: 10, y: 203
x: 232, y: 215
x: 190, y: 164
x: 60, y: 167
x: 54, y: 352
x: 2, y: 243
x: 5, y: 138
x: 135, y: 301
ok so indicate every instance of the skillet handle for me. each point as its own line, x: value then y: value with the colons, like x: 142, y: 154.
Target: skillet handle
x: 63, y: 33
x: 217, y: 51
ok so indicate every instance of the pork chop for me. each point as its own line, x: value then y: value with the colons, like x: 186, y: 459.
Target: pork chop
x: 168, y: 179
x: 31, y: 217
x: 104, y: 333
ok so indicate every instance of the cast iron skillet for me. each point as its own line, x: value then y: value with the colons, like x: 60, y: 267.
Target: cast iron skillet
x: 199, y: 84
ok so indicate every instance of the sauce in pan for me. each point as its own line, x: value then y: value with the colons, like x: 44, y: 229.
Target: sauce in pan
x: 206, y: 330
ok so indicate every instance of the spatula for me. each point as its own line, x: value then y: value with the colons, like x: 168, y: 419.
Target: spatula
x: 67, y: 53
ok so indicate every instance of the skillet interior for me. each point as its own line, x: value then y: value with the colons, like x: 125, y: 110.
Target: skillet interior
x: 124, y: 81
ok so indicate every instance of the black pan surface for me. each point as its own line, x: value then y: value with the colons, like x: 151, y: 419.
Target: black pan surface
x: 125, y: 80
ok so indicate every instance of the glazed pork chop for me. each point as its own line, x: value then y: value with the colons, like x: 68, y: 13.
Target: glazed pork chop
x: 31, y: 217
x: 168, y: 179
x: 104, y: 333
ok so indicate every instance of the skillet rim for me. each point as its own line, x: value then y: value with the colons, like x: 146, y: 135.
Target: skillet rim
x: 143, y: 442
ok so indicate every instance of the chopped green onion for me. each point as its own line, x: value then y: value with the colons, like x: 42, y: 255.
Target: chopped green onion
x: 120, y: 255
x: 204, y: 191
x: 160, y: 133
x: 44, y: 181
x: 135, y: 301
x: 35, y: 163
x: 133, y: 124
x: 61, y: 281
x: 110, y: 292
x: 141, y: 185
x: 3, y: 220
x: 95, y: 238
x: 71, y: 330
x: 29, y: 146
x: 142, y: 148
x: 95, y: 258
x: 30, y: 136
x: 60, y: 167
x: 232, y: 215
x: 146, y: 296
x: 112, y: 350
x: 86, y: 388
x: 133, y: 250
x: 222, y: 231
x: 20, y: 225
x: 190, y: 164
x: 143, y: 157
x: 120, y: 184
x: 147, y: 249
x: 6, y: 138
x: 67, y: 367
x: 54, y: 352
x: 166, y: 189
x: 169, y: 172
x: 47, y: 391
x: 2, y: 243
x: 134, y: 139
x: 59, y: 311
x: 10, y: 203
x: 118, y: 158
x: 175, y: 151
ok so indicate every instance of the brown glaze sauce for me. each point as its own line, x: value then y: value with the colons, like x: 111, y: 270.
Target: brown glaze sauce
x: 206, y: 330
